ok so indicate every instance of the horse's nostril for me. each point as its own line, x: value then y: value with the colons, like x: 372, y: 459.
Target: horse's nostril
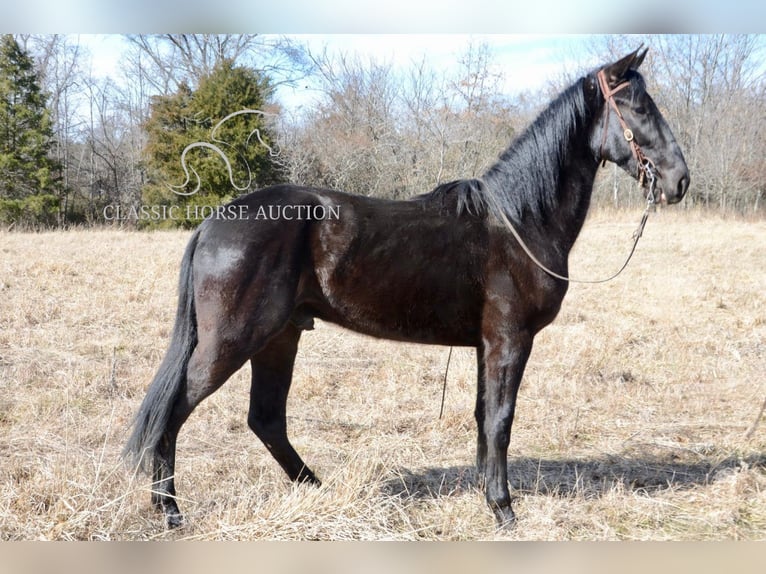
x: 683, y: 185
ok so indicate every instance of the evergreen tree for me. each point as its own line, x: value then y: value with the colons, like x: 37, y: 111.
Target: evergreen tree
x: 188, y: 117
x: 27, y: 173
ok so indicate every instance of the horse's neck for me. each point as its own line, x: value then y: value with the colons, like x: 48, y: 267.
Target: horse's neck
x: 559, y: 169
x: 568, y: 217
x: 554, y: 234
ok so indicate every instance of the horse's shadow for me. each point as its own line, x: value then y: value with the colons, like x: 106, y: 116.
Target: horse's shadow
x: 588, y: 477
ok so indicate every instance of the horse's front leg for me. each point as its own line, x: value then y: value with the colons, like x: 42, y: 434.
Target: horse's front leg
x: 501, y: 366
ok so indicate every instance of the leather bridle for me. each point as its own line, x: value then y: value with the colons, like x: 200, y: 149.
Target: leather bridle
x: 646, y: 167
x: 646, y: 171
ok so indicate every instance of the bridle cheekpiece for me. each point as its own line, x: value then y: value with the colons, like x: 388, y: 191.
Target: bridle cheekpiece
x: 646, y: 167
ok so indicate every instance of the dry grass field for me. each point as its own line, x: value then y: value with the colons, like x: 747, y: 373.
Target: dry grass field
x: 634, y: 421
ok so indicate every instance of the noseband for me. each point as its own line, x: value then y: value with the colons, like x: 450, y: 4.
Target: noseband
x: 646, y: 167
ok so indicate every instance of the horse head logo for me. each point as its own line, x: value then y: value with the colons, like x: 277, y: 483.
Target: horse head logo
x: 216, y: 148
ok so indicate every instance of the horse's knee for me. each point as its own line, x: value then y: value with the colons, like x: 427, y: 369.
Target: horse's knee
x: 265, y: 425
x: 255, y: 423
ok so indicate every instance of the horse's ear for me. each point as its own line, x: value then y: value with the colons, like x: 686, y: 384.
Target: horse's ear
x: 640, y: 55
x: 615, y: 73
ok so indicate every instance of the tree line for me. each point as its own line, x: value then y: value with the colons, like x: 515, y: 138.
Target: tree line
x: 77, y: 150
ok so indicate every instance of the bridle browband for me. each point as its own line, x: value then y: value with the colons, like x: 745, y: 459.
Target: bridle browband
x: 646, y: 167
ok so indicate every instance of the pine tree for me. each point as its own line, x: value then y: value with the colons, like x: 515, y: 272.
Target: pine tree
x: 27, y: 173
x: 190, y: 116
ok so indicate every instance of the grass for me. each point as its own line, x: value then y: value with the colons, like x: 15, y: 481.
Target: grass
x: 632, y: 421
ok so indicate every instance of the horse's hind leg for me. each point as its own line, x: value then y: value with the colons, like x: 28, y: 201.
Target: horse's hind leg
x: 272, y: 375
x: 210, y: 365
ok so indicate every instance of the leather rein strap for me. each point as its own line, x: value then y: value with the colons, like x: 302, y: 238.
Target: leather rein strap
x: 646, y: 169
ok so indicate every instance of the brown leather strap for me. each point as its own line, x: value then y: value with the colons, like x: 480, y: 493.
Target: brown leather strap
x: 608, y: 94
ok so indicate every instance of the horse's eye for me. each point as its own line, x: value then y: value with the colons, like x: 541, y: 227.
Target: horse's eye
x: 641, y: 110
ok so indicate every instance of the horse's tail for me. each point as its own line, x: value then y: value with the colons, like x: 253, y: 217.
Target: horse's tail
x: 155, y: 411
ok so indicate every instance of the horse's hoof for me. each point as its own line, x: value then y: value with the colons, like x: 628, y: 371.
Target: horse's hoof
x: 174, y: 520
x: 308, y: 477
x: 505, y: 517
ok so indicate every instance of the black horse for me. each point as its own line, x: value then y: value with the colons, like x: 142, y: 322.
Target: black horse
x: 441, y: 268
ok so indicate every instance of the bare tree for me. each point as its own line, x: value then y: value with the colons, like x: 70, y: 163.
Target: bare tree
x: 711, y: 90
x: 59, y: 58
x: 169, y: 60
x: 352, y: 140
x: 382, y: 133
x: 109, y: 163
x: 714, y: 91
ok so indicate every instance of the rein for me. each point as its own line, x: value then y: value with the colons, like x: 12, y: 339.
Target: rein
x: 646, y: 171
x: 636, y: 236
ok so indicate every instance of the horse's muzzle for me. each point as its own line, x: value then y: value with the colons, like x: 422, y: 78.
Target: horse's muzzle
x: 673, y: 184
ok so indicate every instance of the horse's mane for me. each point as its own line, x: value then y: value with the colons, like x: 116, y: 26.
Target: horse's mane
x: 524, y: 181
x: 460, y: 196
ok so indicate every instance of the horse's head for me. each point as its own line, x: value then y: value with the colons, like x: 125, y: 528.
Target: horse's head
x: 631, y: 132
